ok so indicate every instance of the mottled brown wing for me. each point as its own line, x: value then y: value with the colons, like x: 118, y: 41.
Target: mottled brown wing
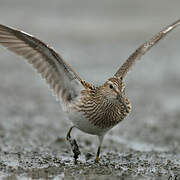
x: 61, y: 78
x: 122, y: 71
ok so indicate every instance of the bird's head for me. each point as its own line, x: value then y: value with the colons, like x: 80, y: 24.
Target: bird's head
x: 114, y: 90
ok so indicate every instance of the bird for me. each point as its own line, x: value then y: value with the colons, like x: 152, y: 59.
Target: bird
x: 93, y: 109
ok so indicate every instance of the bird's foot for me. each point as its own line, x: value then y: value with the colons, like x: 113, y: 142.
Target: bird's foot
x: 74, y: 148
x: 96, y: 160
x: 74, y: 145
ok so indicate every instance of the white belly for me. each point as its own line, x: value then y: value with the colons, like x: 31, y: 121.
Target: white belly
x: 80, y: 122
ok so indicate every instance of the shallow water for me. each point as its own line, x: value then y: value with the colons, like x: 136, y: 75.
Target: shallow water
x: 95, y: 38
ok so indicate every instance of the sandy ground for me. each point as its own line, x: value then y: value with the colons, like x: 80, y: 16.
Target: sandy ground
x: 95, y: 38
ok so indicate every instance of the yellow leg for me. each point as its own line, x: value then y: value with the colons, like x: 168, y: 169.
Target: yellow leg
x: 99, y: 148
x: 97, y: 154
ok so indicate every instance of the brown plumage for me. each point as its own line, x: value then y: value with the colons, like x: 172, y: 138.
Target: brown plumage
x: 101, y: 110
x: 94, y: 110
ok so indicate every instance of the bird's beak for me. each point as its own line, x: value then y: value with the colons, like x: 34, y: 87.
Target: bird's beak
x: 121, y: 99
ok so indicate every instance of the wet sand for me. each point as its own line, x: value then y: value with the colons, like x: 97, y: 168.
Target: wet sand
x: 95, y: 38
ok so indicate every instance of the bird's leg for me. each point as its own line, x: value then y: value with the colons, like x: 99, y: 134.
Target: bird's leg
x: 74, y: 145
x: 97, y: 154
x: 68, y: 136
x: 99, y: 148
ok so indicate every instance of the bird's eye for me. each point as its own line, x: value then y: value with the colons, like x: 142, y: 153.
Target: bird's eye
x: 111, y: 86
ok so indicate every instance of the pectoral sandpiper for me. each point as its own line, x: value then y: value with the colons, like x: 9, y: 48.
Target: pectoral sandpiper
x: 92, y: 109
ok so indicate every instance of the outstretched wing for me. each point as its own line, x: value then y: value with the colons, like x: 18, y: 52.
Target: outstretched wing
x: 62, y: 79
x: 122, y: 71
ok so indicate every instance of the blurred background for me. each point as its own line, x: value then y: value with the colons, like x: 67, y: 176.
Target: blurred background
x: 95, y: 38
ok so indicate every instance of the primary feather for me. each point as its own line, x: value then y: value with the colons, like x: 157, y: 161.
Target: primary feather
x: 62, y: 79
x: 141, y: 50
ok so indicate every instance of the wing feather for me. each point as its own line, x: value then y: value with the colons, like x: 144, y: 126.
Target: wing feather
x: 62, y: 79
x: 123, y: 70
